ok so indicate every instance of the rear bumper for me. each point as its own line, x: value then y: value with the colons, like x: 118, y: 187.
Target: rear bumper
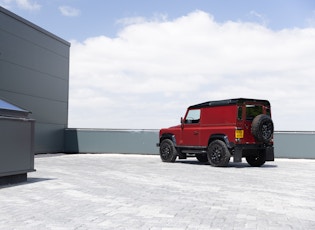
x: 248, y: 150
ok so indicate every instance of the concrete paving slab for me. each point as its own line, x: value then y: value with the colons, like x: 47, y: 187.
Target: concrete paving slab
x: 116, y: 191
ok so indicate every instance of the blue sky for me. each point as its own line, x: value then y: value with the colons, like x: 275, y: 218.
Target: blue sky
x: 93, y: 18
x: 139, y: 64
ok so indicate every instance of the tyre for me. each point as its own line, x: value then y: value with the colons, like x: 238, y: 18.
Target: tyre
x: 168, y: 152
x: 256, y: 160
x: 262, y: 128
x: 218, y: 154
x: 203, y: 158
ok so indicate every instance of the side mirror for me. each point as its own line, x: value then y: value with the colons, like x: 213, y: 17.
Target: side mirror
x: 182, y: 122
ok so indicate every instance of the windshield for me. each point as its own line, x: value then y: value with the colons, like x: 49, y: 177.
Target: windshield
x: 193, y: 116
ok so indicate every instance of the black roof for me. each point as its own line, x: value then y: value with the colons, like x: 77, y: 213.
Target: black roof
x: 235, y: 101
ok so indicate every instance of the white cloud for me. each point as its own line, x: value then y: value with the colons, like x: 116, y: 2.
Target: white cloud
x: 28, y: 5
x: 69, y: 11
x: 130, y: 21
x: 22, y: 4
x: 153, y: 70
x: 138, y: 20
x: 259, y: 17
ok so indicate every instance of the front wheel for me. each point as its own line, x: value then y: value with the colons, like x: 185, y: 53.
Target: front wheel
x: 168, y: 152
x: 218, y: 154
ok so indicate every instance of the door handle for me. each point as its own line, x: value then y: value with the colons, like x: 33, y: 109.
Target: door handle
x: 196, y: 132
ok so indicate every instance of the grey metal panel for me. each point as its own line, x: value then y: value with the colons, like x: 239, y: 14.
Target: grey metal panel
x: 49, y: 138
x: 287, y: 145
x: 28, y: 55
x: 295, y: 145
x: 34, y: 74
x: 16, y: 141
x: 101, y: 141
x: 43, y: 110
x: 15, y: 78
x: 20, y: 27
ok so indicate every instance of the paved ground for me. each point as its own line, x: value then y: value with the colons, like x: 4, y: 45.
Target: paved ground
x: 112, y: 191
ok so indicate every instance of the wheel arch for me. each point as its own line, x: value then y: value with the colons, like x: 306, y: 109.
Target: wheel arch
x: 169, y: 136
x: 222, y: 137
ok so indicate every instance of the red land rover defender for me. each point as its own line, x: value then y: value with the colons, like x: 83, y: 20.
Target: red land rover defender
x: 214, y: 131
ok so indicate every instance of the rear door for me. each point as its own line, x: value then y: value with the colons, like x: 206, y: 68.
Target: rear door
x: 252, y: 110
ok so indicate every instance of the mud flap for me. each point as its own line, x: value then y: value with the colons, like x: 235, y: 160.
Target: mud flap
x: 237, y: 156
x: 270, y: 154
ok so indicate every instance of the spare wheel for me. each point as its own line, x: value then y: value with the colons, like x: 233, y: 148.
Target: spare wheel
x: 262, y: 128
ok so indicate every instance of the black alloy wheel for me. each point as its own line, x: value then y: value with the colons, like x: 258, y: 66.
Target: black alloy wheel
x: 262, y: 128
x: 256, y: 160
x: 218, y: 154
x: 168, y: 152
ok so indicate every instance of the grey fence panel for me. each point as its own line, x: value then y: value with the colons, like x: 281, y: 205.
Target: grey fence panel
x: 287, y: 144
x: 111, y: 141
x: 294, y: 145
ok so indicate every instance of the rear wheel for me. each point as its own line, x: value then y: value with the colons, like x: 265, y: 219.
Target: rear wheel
x: 256, y: 160
x: 168, y: 152
x: 218, y: 154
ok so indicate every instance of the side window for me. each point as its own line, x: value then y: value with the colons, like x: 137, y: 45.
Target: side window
x: 239, y: 113
x: 193, y: 116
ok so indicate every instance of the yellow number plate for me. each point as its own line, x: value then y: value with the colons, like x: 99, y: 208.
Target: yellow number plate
x: 239, y: 133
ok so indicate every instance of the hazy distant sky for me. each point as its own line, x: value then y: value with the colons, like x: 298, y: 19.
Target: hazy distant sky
x: 140, y: 64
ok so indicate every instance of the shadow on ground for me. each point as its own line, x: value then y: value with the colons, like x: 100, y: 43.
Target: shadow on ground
x: 30, y: 180
x: 231, y: 164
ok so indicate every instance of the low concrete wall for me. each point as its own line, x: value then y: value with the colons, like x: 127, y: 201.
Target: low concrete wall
x: 294, y: 145
x: 287, y: 144
x: 111, y: 141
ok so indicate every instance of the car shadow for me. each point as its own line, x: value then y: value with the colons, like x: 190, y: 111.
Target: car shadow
x: 230, y: 165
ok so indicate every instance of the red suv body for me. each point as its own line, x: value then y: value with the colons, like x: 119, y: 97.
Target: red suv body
x: 214, y: 131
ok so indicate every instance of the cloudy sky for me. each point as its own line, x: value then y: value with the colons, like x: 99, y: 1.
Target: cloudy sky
x: 139, y: 64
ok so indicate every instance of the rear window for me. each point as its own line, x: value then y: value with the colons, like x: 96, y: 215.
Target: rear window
x: 252, y: 111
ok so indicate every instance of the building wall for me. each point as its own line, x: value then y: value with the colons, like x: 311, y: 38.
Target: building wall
x: 287, y: 144
x: 34, y: 74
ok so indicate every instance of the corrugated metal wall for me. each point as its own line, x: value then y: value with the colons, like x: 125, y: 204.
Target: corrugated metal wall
x: 34, y: 74
x: 287, y: 144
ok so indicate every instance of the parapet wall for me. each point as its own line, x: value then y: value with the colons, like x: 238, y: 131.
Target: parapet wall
x: 287, y: 144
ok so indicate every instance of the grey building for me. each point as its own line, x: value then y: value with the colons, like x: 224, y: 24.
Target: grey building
x: 34, y: 74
